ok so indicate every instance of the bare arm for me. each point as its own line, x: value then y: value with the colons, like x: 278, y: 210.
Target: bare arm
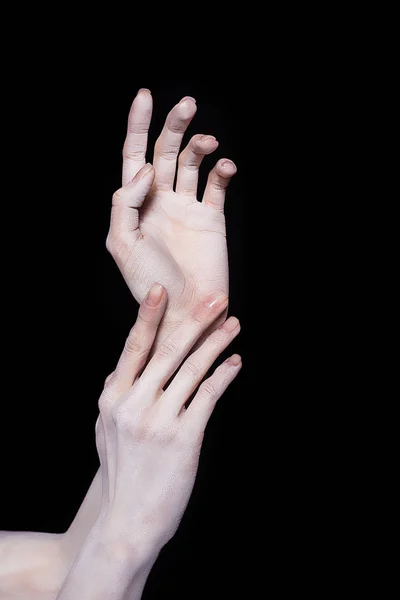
x: 149, y: 446
x: 192, y: 260
x: 32, y: 565
x: 183, y: 247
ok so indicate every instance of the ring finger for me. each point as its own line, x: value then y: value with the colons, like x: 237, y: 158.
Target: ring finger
x: 190, y: 160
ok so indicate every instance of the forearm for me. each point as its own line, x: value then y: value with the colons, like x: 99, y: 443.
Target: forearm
x: 109, y: 566
x: 84, y: 521
x: 32, y: 565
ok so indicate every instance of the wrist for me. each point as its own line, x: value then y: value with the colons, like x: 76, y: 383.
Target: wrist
x: 120, y: 545
x: 109, y: 565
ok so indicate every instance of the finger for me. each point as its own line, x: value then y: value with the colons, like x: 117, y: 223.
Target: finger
x: 196, y: 366
x: 124, y: 223
x: 167, y: 146
x: 173, y: 350
x: 199, y: 411
x: 135, y: 146
x: 190, y: 160
x: 218, y: 181
x: 140, y: 340
x: 132, y: 360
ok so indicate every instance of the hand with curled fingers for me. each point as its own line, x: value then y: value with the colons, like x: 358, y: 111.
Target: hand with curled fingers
x: 166, y: 235
x: 149, y: 442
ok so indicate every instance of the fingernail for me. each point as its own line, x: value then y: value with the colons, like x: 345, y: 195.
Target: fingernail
x: 234, y: 360
x: 216, y: 300
x: 144, y: 90
x: 230, y: 324
x: 187, y: 98
x: 227, y: 163
x: 147, y: 168
x: 155, y: 294
x: 208, y: 137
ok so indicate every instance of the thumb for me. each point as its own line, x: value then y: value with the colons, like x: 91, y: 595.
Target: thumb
x: 133, y: 194
x: 125, y: 202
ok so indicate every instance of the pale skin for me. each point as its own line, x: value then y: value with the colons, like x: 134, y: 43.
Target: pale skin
x: 172, y: 238
x: 156, y: 234
x: 149, y: 445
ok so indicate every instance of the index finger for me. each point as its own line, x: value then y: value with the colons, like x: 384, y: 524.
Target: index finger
x: 140, y: 340
x: 135, y: 146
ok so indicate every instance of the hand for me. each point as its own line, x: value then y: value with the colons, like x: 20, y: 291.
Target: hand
x: 148, y: 443
x: 158, y: 234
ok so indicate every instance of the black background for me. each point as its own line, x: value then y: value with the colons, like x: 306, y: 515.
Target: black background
x: 268, y: 499
x: 68, y: 311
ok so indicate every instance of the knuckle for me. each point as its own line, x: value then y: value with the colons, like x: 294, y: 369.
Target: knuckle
x: 174, y: 123
x: 217, y: 339
x: 121, y: 417
x: 145, y: 315
x: 208, y: 389
x: 199, y: 315
x: 193, y: 149
x: 138, y: 127
x: 117, y: 197
x: 191, y: 369
x: 167, y: 434
x: 167, y: 152
x: 134, y: 344
x: 218, y: 184
x: 142, y: 430
x: 189, y: 160
x: 133, y: 152
x: 168, y: 348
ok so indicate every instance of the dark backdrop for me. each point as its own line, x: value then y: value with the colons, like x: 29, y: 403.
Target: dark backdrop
x: 68, y: 311
x: 272, y: 92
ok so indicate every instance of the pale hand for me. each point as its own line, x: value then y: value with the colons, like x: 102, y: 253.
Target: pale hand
x: 158, y: 234
x: 149, y: 444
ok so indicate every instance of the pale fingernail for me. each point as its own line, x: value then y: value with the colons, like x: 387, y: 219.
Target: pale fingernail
x: 205, y: 138
x: 230, y: 324
x: 144, y: 90
x: 227, y: 163
x: 146, y: 170
x: 234, y: 360
x: 154, y: 296
x: 187, y: 98
x: 216, y: 300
